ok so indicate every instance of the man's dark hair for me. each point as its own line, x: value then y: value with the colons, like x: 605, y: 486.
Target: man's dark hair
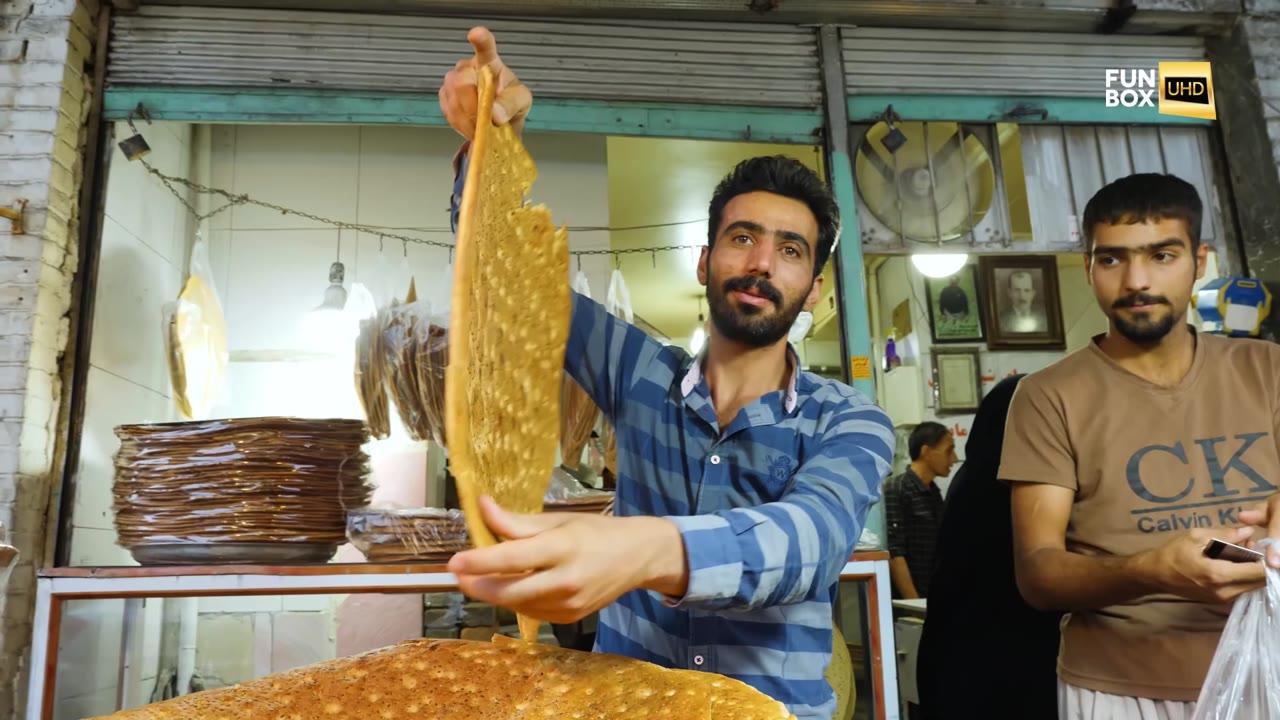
x: 780, y: 175
x: 926, y: 434
x: 1143, y: 197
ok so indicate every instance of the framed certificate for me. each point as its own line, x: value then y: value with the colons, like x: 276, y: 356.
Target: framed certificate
x: 957, y: 380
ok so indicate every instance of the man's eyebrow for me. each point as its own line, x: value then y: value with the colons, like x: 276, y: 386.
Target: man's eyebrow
x: 1126, y: 250
x: 758, y: 229
x: 793, y: 236
x: 747, y: 225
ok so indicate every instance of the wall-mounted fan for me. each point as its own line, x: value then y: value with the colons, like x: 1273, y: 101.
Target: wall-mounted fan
x: 928, y: 182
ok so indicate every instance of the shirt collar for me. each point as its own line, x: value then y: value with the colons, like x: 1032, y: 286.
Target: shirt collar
x: 694, y: 376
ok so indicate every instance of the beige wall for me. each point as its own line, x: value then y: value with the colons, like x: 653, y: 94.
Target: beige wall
x: 896, y: 280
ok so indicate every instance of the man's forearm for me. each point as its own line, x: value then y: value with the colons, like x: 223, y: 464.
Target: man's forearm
x: 1056, y: 579
x: 900, y: 574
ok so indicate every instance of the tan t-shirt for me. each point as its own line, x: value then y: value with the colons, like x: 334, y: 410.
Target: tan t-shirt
x: 1147, y: 463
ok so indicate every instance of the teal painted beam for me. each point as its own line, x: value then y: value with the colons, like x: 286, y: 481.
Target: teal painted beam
x: 855, y: 312
x: 1025, y: 110
x: 285, y: 106
x: 269, y: 105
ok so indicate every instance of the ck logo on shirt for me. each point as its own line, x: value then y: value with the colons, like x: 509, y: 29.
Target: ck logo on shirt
x: 1233, y: 483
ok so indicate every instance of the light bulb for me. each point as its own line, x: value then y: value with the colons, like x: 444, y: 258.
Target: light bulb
x: 335, y: 296
x: 939, y: 265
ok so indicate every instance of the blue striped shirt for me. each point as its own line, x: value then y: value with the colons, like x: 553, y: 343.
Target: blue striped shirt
x: 769, y: 508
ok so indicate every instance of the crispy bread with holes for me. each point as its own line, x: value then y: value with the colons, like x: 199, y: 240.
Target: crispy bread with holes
x: 508, y: 328
x: 468, y: 680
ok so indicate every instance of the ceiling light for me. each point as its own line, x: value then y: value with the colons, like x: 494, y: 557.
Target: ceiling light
x: 939, y: 265
x: 335, y: 296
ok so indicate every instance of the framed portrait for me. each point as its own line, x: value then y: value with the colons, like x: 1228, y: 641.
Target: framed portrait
x: 1021, y: 306
x: 955, y: 310
x: 957, y: 380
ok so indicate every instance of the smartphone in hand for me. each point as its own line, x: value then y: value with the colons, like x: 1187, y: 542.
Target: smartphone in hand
x: 1219, y: 550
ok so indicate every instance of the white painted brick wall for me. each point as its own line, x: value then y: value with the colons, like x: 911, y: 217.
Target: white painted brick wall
x: 44, y: 46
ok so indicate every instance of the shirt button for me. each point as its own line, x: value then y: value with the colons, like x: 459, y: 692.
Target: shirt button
x: 698, y: 660
x: 715, y: 459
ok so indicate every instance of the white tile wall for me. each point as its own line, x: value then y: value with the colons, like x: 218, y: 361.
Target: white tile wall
x: 134, y: 282
x: 86, y: 705
x: 144, y: 249
x: 224, y: 649
x: 311, y: 168
x: 89, y: 647
x: 301, y: 638
x: 112, y: 400
x: 244, y: 604
x: 97, y: 548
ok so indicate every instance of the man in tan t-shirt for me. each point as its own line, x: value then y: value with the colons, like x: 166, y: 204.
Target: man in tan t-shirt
x: 1129, y: 455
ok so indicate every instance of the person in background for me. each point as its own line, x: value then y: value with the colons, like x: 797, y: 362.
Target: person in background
x: 977, y: 619
x: 1131, y: 455
x: 913, y: 508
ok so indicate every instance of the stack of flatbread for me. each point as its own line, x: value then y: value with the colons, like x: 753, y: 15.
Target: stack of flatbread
x: 468, y: 680
x: 242, y: 483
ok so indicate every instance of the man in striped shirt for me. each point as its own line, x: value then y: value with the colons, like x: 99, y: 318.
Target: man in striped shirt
x: 743, y: 482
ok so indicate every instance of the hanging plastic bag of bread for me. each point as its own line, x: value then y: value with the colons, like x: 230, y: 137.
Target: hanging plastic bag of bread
x: 1244, y: 679
x: 617, y: 303
x: 195, y: 334
x: 408, y: 355
x: 578, y: 412
x: 372, y: 371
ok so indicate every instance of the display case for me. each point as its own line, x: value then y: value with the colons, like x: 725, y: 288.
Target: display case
x: 866, y: 574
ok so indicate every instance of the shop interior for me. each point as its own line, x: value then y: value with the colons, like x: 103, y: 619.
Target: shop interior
x: 635, y: 227
x: 953, y: 254
x: 994, y: 209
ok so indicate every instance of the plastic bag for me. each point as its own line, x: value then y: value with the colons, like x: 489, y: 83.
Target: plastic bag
x: 618, y: 301
x: 196, y: 340
x: 402, y: 353
x: 1244, y: 679
x: 566, y: 494
x: 578, y: 412
x: 398, y: 535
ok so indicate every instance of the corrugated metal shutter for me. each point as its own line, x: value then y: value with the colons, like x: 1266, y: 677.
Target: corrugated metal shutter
x: 763, y: 65
x: 977, y: 62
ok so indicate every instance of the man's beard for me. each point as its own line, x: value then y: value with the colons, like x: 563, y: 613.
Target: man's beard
x: 747, y: 324
x: 1144, y: 329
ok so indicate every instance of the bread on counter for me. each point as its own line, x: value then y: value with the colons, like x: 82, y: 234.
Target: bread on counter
x: 467, y: 680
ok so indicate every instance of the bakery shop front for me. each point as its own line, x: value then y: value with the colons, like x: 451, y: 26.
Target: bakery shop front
x: 260, y: 479
x: 263, y: 481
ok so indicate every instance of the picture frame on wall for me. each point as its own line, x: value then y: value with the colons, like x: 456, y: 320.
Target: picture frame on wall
x: 955, y: 307
x: 1021, y: 307
x: 957, y: 380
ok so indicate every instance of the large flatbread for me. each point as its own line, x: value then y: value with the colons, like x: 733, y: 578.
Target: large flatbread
x: 508, y: 328
x: 469, y: 680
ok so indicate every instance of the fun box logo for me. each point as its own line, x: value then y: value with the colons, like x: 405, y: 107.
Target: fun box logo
x: 1184, y: 89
